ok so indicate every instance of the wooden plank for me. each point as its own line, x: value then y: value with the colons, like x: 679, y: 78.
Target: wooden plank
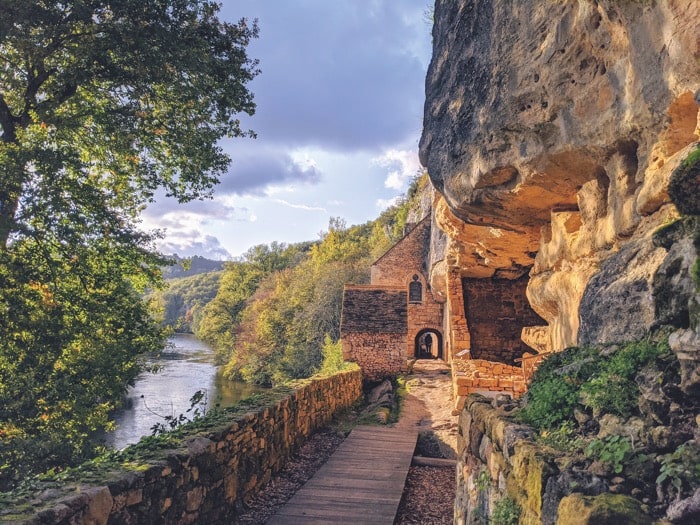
x: 330, y: 493
x: 379, y: 513
x: 309, y: 520
x: 374, y: 484
x: 362, y: 482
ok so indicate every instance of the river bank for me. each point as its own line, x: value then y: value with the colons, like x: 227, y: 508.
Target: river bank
x: 185, y: 367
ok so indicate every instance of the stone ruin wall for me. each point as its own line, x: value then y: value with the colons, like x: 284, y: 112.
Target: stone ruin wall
x: 378, y: 355
x: 208, y: 477
x: 496, y: 311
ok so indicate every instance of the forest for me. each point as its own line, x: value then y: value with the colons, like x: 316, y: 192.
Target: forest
x: 104, y: 106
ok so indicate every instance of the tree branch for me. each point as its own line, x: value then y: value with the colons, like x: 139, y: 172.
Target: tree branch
x: 7, y: 121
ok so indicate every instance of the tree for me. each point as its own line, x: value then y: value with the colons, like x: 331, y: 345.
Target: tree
x: 102, y: 103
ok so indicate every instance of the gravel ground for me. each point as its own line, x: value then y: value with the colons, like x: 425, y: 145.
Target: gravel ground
x: 429, y: 491
x: 428, y: 496
x: 293, y: 475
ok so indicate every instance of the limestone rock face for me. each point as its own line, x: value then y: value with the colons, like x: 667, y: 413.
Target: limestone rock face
x: 559, y: 136
x: 527, y: 101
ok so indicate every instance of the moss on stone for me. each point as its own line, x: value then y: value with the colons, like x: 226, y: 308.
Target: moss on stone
x: 529, y: 474
x: 682, y: 187
x: 605, y: 509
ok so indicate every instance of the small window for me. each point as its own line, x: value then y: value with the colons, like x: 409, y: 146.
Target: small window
x: 415, y: 291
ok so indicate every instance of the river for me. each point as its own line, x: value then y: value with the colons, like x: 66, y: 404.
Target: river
x: 186, y: 366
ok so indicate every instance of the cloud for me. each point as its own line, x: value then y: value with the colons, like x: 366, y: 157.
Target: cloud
x: 343, y: 75
x: 188, y: 244
x: 383, y: 204
x: 403, y: 166
x: 168, y: 213
x: 258, y: 167
x: 186, y: 225
x: 342, y: 82
x: 304, y: 207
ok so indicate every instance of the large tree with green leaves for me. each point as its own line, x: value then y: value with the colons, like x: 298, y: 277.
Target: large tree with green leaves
x: 102, y: 104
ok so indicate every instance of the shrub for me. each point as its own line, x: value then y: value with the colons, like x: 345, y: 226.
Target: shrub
x: 505, y: 512
x: 554, y: 391
x: 613, y: 390
x: 582, y: 376
x: 332, y: 356
x: 613, y: 450
x: 563, y: 438
x: 681, y: 468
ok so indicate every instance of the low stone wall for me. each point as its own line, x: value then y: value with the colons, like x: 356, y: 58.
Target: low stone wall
x: 480, y: 376
x: 499, y: 459
x: 474, y: 375
x: 206, y: 477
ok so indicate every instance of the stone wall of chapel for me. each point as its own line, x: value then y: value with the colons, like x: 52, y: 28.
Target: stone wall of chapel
x: 378, y: 355
x: 407, y: 257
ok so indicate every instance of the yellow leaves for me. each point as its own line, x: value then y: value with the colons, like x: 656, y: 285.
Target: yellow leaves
x: 46, y: 294
x: 9, y: 431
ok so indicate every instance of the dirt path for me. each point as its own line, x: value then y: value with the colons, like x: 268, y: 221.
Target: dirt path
x: 429, y: 405
x: 429, y: 492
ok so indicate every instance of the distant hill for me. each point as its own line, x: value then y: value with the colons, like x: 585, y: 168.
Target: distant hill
x: 179, y: 304
x: 187, y: 267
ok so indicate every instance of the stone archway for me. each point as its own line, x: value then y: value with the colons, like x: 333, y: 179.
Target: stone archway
x: 428, y: 344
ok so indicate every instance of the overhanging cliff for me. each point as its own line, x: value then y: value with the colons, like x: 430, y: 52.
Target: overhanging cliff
x: 552, y: 132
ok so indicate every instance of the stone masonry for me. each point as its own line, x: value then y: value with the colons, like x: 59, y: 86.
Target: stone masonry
x: 497, y: 310
x: 206, y: 477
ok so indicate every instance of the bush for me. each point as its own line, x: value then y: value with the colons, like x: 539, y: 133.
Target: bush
x: 563, y: 438
x: 613, y: 390
x: 505, y: 512
x: 583, y: 377
x: 554, y: 391
x: 680, y: 469
x: 613, y: 450
x: 332, y: 356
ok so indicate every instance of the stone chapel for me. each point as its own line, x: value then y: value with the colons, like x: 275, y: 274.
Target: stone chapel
x: 411, y: 311
x: 396, y: 317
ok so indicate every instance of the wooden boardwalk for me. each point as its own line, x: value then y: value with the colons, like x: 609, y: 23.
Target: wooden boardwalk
x: 361, y: 483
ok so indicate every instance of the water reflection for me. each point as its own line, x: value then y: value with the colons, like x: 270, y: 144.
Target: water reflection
x: 186, y: 366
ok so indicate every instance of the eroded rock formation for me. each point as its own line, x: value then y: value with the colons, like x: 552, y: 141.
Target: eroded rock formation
x: 552, y: 132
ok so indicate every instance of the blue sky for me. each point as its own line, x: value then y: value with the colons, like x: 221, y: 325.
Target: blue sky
x: 339, y: 115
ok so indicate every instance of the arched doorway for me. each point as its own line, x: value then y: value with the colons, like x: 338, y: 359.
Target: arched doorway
x: 428, y: 344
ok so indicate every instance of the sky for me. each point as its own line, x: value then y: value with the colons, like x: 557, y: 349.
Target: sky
x: 339, y: 114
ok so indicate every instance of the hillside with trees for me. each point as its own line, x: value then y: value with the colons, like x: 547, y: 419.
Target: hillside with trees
x: 178, y: 305
x: 189, y: 266
x: 278, y: 308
